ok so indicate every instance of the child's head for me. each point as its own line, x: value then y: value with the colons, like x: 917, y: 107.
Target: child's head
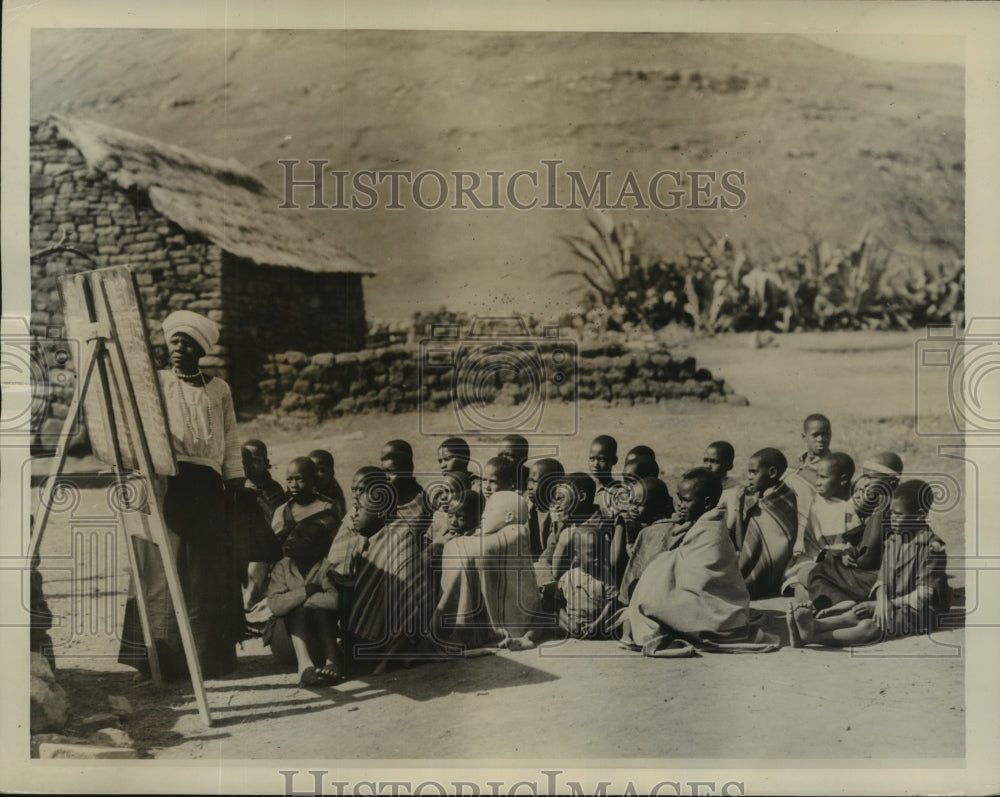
x: 443, y: 491
x: 255, y: 462
x: 640, y: 467
x: 873, y: 489
x: 648, y: 500
x: 454, y: 455
x: 309, y: 542
x: 398, y: 466
x: 573, y: 496
x: 358, y: 484
x: 325, y: 470
x: 816, y: 432
x: 397, y: 447
x: 639, y: 451
x: 374, y: 500
x: 765, y: 469
x: 603, y: 456
x: 911, y: 501
x: 515, y: 448
x: 498, y: 475
x: 542, y: 478
x: 719, y: 458
x: 502, y: 509
x: 699, y: 491
x: 464, y: 512
x: 301, y: 479
x: 833, y: 475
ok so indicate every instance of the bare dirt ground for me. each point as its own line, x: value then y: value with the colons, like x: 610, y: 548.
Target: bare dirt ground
x: 901, y: 700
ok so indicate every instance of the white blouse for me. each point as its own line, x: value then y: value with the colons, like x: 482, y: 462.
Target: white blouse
x: 202, y: 424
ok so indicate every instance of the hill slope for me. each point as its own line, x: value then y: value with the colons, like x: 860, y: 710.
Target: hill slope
x: 826, y: 140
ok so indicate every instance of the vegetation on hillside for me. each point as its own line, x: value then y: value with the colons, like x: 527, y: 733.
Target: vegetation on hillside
x: 721, y: 286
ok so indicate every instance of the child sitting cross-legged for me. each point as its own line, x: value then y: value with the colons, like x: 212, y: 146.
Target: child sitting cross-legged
x: 912, y: 588
x: 831, y: 519
x: 302, y: 596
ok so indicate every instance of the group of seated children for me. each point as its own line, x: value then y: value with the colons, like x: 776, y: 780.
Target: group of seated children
x: 394, y: 571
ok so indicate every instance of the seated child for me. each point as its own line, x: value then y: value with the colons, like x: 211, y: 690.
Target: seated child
x: 461, y: 517
x: 642, y: 531
x: 396, y: 460
x: 301, y: 479
x: 849, y: 577
x: 636, y: 452
x: 453, y: 457
x: 257, y: 469
x: 912, y: 588
x: 390, y: 591
x: 543, y: 475
x: 253, y: 509
x: 603, y: 457
x: 489, y: 596
x: 499, y: 474
x: 327, y: 485
x: 302, y: 503
x: 576, y: 573
x: 691, y: 592
x: 766, y: 521
x: 302, y: 596
x: 831, y: 519
x: 816, y: 433
x: 515, y: 448
x: 719, y: 458
x: 640, y: 466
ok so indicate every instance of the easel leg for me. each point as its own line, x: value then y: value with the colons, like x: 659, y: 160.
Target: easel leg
x: 63, y: 445
x: 140, y: 600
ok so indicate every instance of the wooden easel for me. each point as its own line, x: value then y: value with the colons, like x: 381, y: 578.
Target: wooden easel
x: 131, y: 456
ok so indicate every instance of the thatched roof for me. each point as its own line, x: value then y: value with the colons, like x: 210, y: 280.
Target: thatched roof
x: 222, y: 200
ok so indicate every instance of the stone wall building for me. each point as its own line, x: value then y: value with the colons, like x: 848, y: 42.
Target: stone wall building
x: 201, y: 233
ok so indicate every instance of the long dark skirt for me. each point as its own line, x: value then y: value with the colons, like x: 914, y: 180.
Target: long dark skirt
x: 194, y: 510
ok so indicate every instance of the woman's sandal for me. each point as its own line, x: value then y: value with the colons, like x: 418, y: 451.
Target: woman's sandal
x: 329, y: 675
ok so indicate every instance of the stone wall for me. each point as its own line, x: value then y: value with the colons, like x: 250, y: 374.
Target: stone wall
x: 392, y: 379
x: 262, y: 309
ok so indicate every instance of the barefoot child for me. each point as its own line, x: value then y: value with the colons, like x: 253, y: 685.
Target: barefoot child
x: 489, y: 596
x: 912, y: 589
x: 327, y: 485
x: 831, y: 520
x: 603, y: 457
x: 543, y: 475
x: 849, y: 578
x: 692, y: 593
x: 302, y: 596
x: 765, y: 524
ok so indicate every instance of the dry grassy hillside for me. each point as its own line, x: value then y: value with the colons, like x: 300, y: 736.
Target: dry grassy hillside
x: 827, y: 140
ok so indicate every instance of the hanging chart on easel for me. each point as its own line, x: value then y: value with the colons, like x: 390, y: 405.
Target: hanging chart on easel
x: 82, y: 297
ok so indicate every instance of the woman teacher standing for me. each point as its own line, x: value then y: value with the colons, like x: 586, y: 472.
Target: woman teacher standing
x: 202, y: 425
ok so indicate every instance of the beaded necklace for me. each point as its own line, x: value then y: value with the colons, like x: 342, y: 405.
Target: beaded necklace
x: 186, y: 409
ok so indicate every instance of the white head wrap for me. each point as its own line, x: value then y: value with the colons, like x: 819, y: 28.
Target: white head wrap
x: 203, y: 331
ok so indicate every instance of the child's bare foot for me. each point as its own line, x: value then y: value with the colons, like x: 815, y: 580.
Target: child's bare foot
x: 518, y: 643
x: 793, y: 631
x: 837, y: 608
x: 802, y: 619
